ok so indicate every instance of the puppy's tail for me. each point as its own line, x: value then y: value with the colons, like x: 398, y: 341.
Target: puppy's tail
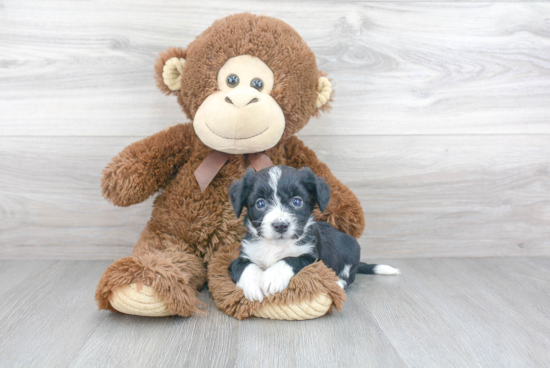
x: 373, y: 269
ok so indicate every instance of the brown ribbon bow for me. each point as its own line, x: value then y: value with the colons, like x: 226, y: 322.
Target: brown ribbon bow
x: 214, y: 161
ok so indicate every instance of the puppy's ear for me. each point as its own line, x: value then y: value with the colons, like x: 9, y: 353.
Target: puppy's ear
x: 238, y: 192
x: 317, y: 187
x: 323, y: 194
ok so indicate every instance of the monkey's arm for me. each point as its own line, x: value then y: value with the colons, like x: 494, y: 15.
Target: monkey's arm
x: 344, y: 211
x: 146, y: 166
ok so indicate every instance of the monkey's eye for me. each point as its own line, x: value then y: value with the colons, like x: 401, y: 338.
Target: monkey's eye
x: 260, y: 203
x: 232, y: 80
x: 297, y: 202
x: 257, y: 83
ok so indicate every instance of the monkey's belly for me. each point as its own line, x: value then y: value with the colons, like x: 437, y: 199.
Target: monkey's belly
x: 202, y: 223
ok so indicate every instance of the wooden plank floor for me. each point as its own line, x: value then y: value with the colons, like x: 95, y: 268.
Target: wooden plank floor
x: 439, y: 312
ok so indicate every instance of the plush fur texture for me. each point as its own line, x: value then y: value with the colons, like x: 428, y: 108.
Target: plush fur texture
x: 193, y: 236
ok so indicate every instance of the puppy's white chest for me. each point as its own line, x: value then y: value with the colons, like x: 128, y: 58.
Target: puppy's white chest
x: 265, y: 253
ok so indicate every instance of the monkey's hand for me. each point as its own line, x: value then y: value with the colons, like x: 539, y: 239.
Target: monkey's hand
x: 146, y: 166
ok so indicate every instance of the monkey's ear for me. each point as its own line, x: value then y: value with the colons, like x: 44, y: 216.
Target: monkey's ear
x: 324, y: 92
x: 168, y: 70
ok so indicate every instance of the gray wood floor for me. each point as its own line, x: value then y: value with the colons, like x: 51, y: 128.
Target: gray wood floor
x: 439, y: 313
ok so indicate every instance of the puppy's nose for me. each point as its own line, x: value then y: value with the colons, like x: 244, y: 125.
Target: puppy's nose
x: 280, y: 227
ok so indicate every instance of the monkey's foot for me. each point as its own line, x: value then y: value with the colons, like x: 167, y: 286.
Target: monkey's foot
x: 139, y: 301
x: 317, y: 307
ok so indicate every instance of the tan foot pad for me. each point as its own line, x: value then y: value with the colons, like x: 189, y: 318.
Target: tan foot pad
x: 315, y: 308
x: 144, y: 302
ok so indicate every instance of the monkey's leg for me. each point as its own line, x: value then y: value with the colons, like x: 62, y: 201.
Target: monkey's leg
x: 311, y: 293
x: 161, y: 278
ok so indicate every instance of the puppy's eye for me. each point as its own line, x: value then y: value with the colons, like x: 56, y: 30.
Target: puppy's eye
x: 257, y: 83
x: 260, y: 203
x: 297, y: 202
x: 233, y: 80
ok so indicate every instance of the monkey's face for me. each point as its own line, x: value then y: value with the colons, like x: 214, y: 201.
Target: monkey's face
x: 241, y: 117
x: 248, y: 83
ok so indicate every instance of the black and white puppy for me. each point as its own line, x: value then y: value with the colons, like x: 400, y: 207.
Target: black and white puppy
x: 283, y: 237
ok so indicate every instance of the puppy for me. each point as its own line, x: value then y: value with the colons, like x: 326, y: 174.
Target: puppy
x: 283, y: 237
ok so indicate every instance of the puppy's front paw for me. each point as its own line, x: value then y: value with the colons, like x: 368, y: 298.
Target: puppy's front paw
x: 250, y: 283
x: 276, y: 278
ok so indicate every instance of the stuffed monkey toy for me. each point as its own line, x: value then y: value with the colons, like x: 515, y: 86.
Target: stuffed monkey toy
x: 247, y: 84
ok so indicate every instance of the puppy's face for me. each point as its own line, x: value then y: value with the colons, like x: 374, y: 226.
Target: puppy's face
x: 279, y: 200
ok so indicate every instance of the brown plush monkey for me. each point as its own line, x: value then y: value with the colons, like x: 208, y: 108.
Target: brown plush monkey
x: 247, y: 83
